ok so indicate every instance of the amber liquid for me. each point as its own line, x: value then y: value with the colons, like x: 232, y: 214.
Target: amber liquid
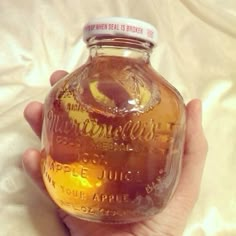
x: 113, y: 138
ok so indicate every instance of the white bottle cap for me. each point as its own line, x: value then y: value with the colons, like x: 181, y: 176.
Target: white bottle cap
x: 121, y: 27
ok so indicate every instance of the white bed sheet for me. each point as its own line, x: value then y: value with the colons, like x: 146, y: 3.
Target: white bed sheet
x: 196, y: 53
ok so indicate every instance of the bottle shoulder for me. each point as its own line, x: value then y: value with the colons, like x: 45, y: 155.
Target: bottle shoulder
x: 164, y: 84
x: 116, y: 86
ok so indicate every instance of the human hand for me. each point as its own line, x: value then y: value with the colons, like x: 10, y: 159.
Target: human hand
x: 172, y: 220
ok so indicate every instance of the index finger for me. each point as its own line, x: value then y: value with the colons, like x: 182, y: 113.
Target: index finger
x: 57, y: 75
x: 33, y: 112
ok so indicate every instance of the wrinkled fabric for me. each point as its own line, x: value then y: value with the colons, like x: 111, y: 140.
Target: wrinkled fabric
x: 196, y: 52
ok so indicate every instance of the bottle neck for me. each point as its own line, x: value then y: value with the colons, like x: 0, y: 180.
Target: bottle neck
x: 120, y: 47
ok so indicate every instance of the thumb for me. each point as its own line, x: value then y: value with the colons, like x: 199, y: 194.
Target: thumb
x: 193, y: 159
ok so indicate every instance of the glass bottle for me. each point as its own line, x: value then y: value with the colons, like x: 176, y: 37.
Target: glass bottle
x: 113, y: 129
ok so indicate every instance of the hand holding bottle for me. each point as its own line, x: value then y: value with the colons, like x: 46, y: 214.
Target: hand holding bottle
x: 173, y: 219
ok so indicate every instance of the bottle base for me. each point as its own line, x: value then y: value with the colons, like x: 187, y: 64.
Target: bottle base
x: 110, y: 220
